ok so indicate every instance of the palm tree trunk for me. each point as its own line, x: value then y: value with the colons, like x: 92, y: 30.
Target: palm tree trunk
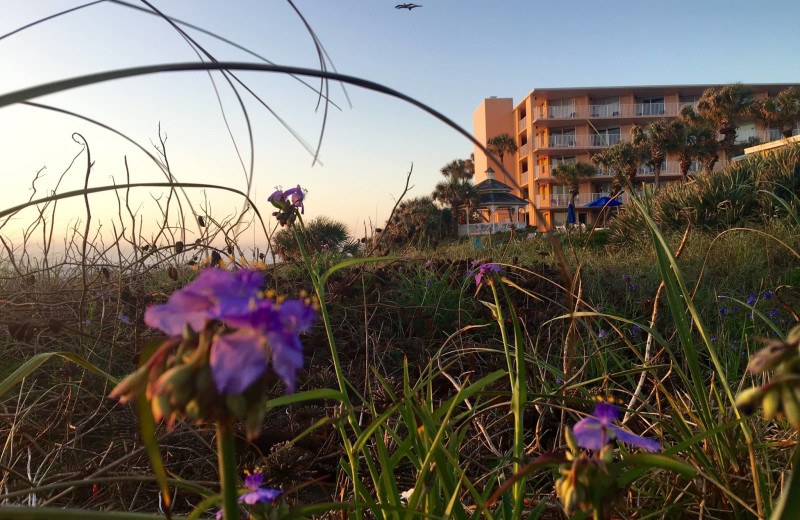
x: 656, y: 175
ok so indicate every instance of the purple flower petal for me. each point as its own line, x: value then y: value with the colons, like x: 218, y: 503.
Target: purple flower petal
x: 253, y: 480
x: 287, y: 356
x: 237, y: 360
x: 605, y: 412
x: 589, y: 433
x: 635, y: 440
x: 265, y: 495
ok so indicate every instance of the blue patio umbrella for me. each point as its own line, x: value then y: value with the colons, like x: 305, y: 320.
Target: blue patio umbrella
x: 602, y: 201
x: 570, y: 214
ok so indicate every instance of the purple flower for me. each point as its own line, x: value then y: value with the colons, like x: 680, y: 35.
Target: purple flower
x: 631, y: 287
x: 482, y: 270
x: 635, y: 331
x: 280, y: 199
x: 713, y: 338
x: 602, y: 333
x: 559, y: 381
x: 215, y: 294
x: 86, y: 322
x: 768, y: 294
x: 596, y: 430
x: 723, y: 311
x: 239, y: 358
x: 124, y: 319
x: 751, y: 298
x: 428, y: 263
x: 773, y: 313
x: 626, y: 277
x: 257, y: 493
x: 599, y: 308
x: 428, y: 283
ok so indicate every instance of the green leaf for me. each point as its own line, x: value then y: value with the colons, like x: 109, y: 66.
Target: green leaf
x: 53, y: 513
x: 33, y: 363
x: 355, y: 261
x: 789, y: 503
x: 308, y: 395
x: 655, y: 460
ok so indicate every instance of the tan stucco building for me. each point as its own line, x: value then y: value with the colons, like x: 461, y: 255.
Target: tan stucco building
x: 570, y: 124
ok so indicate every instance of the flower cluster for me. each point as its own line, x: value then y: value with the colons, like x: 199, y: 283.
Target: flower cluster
x: 223, y: 335
x: 480, y: 270
x: 287, y: 202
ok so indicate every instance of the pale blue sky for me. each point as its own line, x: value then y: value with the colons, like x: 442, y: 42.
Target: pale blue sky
x: 448, y: 54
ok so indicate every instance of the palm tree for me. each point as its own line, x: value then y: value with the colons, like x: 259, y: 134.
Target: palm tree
x: 572, y: 173
x: 623, y: 158
x: 417, y: 221
x: 501, y: 145
x: 321, y: 233
x: 692, y: 143
x: 456, y: 193
x: 660, y: 140
x: 723, y: 108
x: 459, y: 169
x: 782, y: 111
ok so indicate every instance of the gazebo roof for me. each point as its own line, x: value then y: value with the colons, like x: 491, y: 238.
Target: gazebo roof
x: 491, y: 185
x: 500, y: 199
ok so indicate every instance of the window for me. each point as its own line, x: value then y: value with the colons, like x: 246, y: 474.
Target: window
x: 606, y: 137
x: 689, y: 100
x: 562, y: 138
x: 650, y: 107
x: 746, y: 133
x: 564, y: 107
x: 559, y: 189
x: 564, y: 160
x: 775, y: 132
x: 605, y: 107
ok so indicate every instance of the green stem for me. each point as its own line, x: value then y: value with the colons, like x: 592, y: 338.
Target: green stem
x: 319, y: 289
x: 226, y: 453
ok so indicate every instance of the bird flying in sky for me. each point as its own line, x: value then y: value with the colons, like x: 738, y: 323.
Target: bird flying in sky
x: 407, y: 6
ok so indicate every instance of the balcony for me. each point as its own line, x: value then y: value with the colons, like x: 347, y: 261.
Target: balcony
x: 579, y: 141
x: 627, y: 110
x: 524, y: 150
x: 521, y: 124
x: 523, y: 178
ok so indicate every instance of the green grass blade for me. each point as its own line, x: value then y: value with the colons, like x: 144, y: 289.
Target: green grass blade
x: 36, y: 361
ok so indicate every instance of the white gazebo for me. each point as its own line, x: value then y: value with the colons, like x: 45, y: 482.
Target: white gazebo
x: 493, y: 198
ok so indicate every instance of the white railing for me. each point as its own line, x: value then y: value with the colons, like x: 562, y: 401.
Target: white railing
x: 484, y: 228
x: 523, y: 178
x: 522, y: 124
x: 611, y: 110
x: 579, y: 141
x: 562, y: 200
x: 524, y: 150
x: 753, y: 135
x: 554, y: 200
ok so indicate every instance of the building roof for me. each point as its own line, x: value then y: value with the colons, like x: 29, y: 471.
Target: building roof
x: 772, y: 88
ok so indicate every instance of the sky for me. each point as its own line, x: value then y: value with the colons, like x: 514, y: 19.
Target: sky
x: 447, y: 54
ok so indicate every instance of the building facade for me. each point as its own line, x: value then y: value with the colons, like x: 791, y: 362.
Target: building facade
x: 557, y: 125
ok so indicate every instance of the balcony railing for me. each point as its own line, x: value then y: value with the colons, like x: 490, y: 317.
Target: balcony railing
x: 562, y: 200
x: 522, y: 124
x: 484, y: 228
x: 579, y: 141
x: 611, y: 110
x: 523, y: 178
x: 524, y: 150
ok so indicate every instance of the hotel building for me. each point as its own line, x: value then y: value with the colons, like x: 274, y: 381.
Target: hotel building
x: 556, y: 125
